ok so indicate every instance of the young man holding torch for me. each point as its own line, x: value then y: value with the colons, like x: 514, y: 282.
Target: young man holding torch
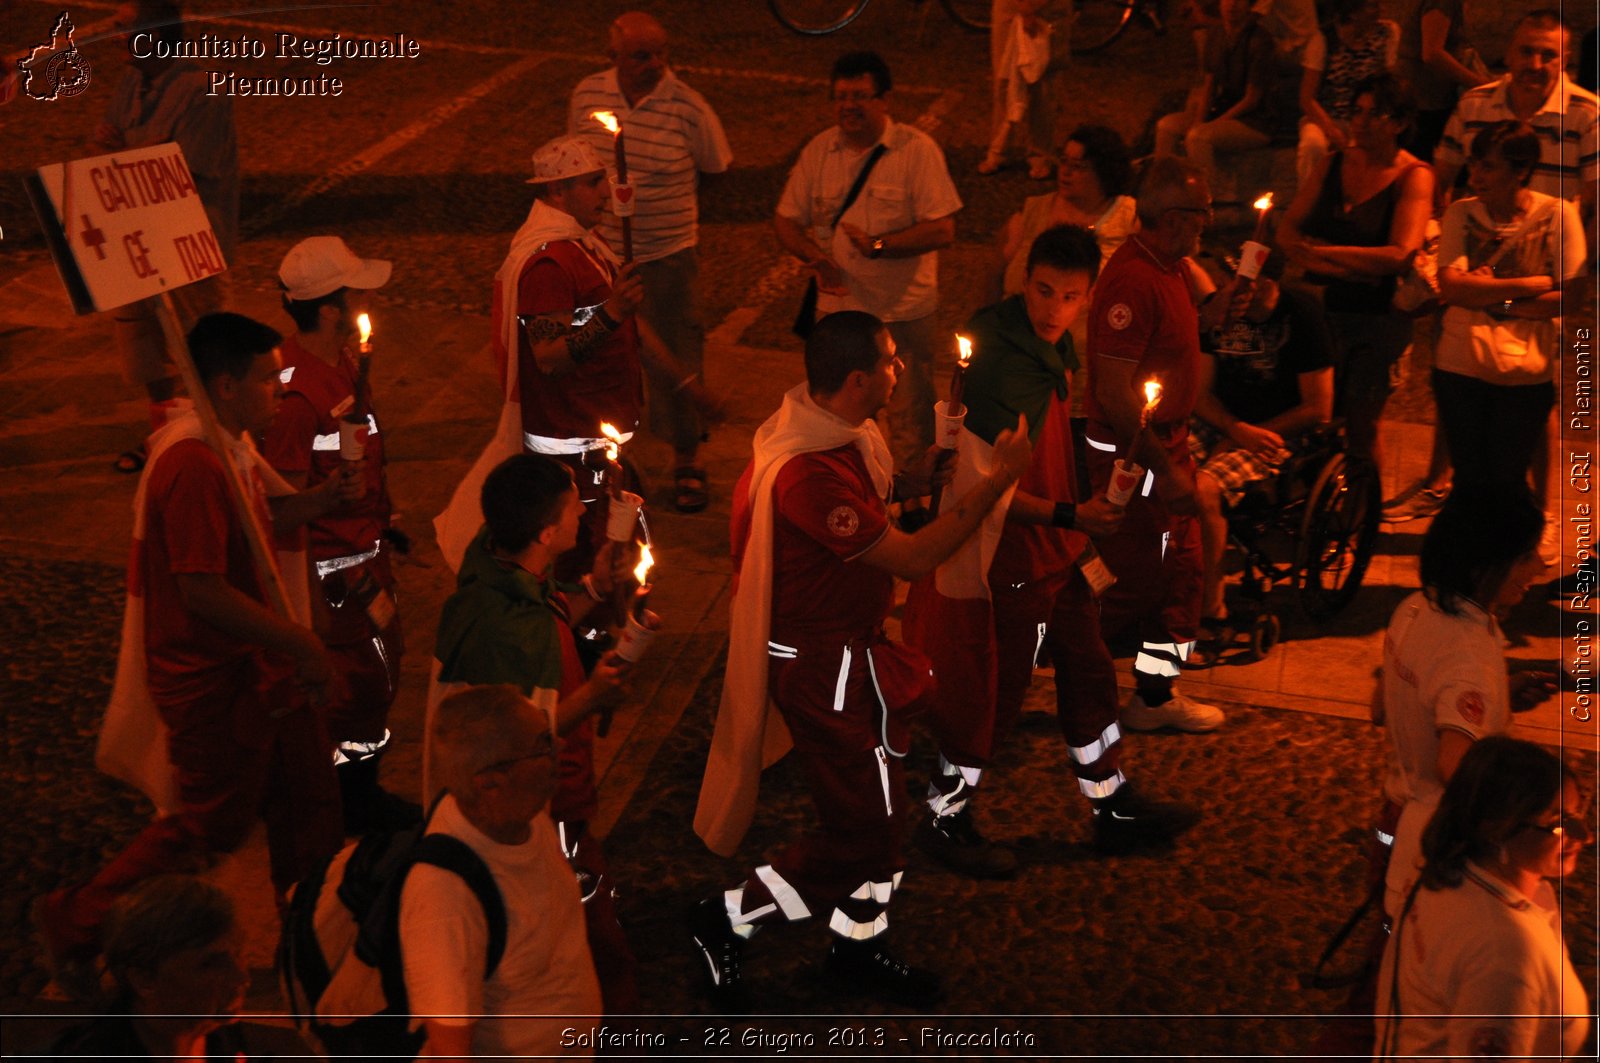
x: 817, y: 560
x: 1144, y: 380
x: 236, y: 684
x: 1031, y: 568
x: 510, y: 622
x: 326, y: 422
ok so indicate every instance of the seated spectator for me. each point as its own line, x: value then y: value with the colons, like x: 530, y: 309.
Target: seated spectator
x: 1356, y: 44
x: 1505, y: 254
x: 172, y: 946
x: 1235, y: 107
x: 1476, y: 966
x: 1444, y: 684
x: 1267, y: 379
x: 495, y: 752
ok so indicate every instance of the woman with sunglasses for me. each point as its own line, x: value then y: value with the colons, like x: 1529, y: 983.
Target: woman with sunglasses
x: 1476, y: 965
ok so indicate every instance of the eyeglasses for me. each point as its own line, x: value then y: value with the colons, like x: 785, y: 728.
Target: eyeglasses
x: 1207, y: 213
x: 1576, y: 826
x: 544, y: 747
x: 855, y: 97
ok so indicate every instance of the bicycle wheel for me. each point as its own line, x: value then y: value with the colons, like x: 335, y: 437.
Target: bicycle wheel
x: 1338, y: 535
x: 973, y: 14
x: 817, y: 17
x: 1096, y: 23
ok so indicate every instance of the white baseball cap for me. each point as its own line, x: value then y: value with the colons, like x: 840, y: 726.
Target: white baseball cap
x: 562, y: 158
x: 320, y: 265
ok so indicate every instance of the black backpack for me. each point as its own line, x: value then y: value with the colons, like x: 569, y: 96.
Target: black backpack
x: 341, y: 932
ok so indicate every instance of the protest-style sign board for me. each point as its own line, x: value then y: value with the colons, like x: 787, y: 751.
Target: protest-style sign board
x: 125, y: 226
x: 128, y: 226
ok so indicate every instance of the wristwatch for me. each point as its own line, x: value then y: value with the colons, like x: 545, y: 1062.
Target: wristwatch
x: 877, y: 247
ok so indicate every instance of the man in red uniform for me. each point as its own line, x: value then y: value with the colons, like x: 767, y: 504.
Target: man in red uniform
x: 1032, y: 575
x: 233, y: 681
x: 350, y: 550
x: 817, y: 558
x: 1144, y: 326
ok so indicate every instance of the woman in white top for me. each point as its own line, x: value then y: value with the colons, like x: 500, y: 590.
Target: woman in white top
x: 1476, y: 966
x: 1504, y: 255
x: 1444, y: 682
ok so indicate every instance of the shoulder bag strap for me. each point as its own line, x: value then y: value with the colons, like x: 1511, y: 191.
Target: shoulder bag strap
x: 860, y: 182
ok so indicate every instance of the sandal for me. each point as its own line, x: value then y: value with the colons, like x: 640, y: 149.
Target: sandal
x: 690, y: 487
x: 990, y: 165
x: 131, y: 461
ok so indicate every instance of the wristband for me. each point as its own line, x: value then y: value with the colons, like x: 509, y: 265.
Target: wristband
x: 1505, y: 307
x: 1065, y: 515
x: 605, y: 319
x: 588, y: 585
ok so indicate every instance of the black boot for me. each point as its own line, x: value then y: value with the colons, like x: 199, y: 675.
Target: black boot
x: 870, y: 969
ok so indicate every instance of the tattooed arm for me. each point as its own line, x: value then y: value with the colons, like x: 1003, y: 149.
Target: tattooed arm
x: 563, y: 339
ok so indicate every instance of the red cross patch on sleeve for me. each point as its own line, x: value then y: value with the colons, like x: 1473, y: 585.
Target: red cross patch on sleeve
x: 1470, y: 706
x: 1120, y: 316
x: 844, y: 521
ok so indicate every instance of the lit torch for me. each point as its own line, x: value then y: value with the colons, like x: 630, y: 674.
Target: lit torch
x: 613, y: 448
x: 1152, y: 399
x: 1264, y: 205
x: 361, y: 407
x: 641, y: 576
x: 622, y: 191
x: 956, y: 378
x: 364, y: 332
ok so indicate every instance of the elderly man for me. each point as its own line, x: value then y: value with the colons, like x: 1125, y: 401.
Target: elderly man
x: 673, y: 136
x: 817, y: 560
x: 161, y: 98
x: 496, y: 751
x: 1144, y: 326
x: 350, y: 550
x: 565, y: 334
x: 879, y: 253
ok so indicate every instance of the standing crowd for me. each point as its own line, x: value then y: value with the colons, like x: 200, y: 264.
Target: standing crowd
x: 1119, y: 400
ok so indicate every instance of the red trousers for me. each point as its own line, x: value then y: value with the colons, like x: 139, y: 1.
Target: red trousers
x: 1156, y: 558
x: 233, y: 763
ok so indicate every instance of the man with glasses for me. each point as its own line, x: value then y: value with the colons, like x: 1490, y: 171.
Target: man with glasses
x: 494, y: 751
x: 1144, y: 326
x: 881, y: 255
x: 510, y: 622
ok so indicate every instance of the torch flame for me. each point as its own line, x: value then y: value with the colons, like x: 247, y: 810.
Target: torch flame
x: 1264, y: 203
x: 966, y: 350
x: 364, y: 326
x: 1152, y: 394
x: 613, y: 440
x: 641, y: 571
x: 609, y: 120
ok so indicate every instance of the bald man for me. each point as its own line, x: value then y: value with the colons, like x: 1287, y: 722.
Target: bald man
x: 673, y: 136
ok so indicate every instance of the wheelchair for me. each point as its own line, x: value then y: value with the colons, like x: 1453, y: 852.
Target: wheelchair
x: 1314, y: 527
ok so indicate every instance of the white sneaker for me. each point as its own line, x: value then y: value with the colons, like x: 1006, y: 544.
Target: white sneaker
x: 1550, y: 542
x: 1181, y: 712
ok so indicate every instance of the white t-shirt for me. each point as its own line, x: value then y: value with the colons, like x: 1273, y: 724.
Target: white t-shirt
x: 1484, y: 972
x: 546, y: 969
x: 910, y: 184
x: 1508, y: 351
x: 1439, y: 672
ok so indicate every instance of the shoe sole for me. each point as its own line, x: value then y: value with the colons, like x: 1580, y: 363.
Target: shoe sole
x: 1191, y: 729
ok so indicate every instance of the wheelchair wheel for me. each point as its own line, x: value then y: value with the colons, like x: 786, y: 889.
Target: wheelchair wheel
x: 817, y: 17
x: 1337, y: 535
x: 1096, y: 23
x: 1264, y: 634
x: 973, y: 14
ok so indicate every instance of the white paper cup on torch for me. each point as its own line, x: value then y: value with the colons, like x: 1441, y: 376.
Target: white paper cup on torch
x: 1125, y: 476
x: 623, y: 516
x: 637, y: 635
x: 352, y: 440
x: 1252, y: 257
x: 948, y: 428
x: 622, y: 200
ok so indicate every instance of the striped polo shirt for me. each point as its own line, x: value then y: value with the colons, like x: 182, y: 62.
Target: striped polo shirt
x: 671, y: 137
x: 1566, y: 124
